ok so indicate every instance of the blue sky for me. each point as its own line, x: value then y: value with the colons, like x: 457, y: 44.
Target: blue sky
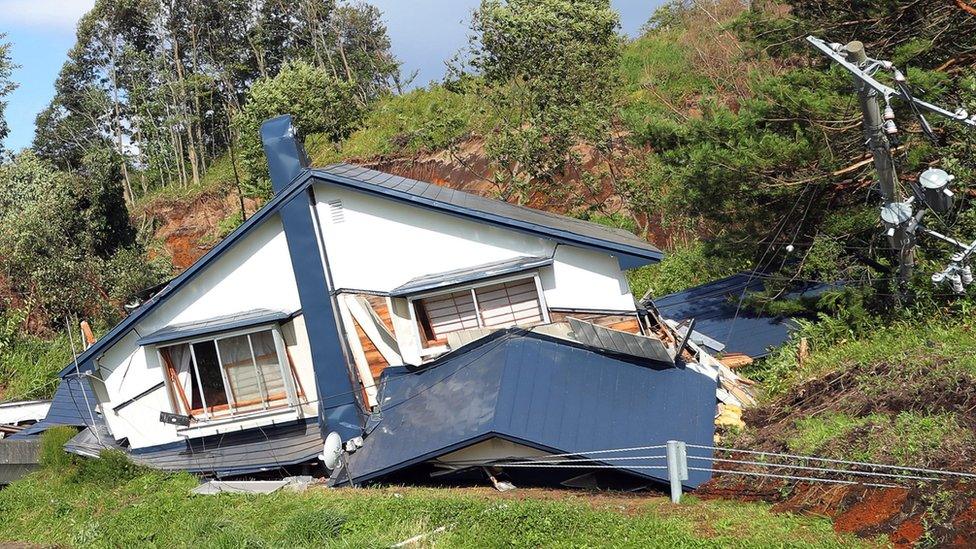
x: 425, y: 33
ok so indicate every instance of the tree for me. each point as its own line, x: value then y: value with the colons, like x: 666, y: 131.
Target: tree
x: 6, y: 85
x: 66, y: 236
x: 159, y: 81
x: 319, y: 103
x: 548, y: 70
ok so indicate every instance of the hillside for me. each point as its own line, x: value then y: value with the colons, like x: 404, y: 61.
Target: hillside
x: 724, y: 140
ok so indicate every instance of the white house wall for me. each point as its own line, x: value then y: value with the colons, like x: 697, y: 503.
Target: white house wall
x: 255, y: 273
x: 380, y: 244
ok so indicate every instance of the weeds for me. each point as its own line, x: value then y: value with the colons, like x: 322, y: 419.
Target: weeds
x: 135, y: 507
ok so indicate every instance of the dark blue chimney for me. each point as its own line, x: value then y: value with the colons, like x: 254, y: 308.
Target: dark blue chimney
x: 286, y: 155
x: 339, y: 408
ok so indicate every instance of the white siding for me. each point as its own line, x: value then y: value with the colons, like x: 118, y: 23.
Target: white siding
x: 255, y: 273
x: 378, y: 244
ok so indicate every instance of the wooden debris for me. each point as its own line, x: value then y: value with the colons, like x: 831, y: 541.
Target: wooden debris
x: 735, y: 360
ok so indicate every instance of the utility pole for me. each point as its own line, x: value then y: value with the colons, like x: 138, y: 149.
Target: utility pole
x: 893, y: 213
x: 900, y: 220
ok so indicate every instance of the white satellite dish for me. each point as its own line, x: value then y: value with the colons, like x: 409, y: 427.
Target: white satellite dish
x: 331, y: 451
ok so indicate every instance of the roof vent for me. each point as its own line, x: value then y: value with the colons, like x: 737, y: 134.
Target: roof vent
x: 336, y: 213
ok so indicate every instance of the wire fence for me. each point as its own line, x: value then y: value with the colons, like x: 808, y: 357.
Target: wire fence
x: 765, y: 465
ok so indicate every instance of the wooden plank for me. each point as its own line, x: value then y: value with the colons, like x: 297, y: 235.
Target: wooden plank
x: 377, y: 363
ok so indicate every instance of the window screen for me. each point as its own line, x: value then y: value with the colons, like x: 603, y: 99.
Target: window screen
x: 496, y: 306
x: 509, y: 304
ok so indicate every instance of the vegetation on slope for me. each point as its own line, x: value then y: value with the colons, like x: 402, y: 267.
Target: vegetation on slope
x: 111, y: 503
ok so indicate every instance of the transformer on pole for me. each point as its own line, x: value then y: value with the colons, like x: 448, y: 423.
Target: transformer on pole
x: 898, y: 216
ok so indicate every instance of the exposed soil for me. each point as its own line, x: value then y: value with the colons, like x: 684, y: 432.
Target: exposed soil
x: 188, y: 228
x: 940, y: 514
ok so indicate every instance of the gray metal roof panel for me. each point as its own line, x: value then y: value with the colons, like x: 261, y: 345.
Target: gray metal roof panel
x: 214, y: 325
x: 73, y: 404
x: 478, y: 272
x: 539, y: 391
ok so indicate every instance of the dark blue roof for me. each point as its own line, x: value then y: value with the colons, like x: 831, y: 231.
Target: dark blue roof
x: 214, y: 325
x: 631, y: 250
x: 73, y: 404
x: 461, y: 276
x: 715, y: 308
x: 542, y: 392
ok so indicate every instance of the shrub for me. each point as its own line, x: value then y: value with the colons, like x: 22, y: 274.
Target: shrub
x: 318, y: 101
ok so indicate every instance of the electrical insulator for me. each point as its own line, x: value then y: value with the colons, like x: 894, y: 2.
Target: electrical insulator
x: 938, y: 278
x: 966, y: 274
x: 962, y: 114
x: 955, y: 281
x: 899, y: 77
x: 889, y: 113
x: 890, y: 127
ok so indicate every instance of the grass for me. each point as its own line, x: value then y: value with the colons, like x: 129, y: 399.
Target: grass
x: 105, y: 503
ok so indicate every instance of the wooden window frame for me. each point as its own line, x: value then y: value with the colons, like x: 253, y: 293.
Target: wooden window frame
x: 181, y: 402
x: 431, y: 347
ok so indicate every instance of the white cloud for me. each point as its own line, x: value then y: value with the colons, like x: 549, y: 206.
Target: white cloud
x: 60, y: 15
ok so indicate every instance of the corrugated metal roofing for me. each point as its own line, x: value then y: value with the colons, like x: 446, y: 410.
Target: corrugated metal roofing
x: 631, y: 249
x: 538, y: 391
x: 461, y: 276
x: 715, y: 308
x: 214, y: 325
x: 73, y: 404
x: 620, y: 342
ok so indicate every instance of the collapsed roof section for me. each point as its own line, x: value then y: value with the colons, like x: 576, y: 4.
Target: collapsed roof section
x: 73, y: 405
x: 727, y: 324
x: 543, y: 392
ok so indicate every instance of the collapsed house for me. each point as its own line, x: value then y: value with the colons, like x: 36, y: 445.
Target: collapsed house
x: 430, y: 330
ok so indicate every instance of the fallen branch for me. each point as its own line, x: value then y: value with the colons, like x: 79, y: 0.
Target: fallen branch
x: 964, y: 6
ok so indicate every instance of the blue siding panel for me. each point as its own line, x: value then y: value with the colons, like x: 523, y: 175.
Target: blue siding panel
x: 73, y: 405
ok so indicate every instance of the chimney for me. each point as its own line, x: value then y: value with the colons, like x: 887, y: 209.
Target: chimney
x: 283, y: 147
x: 339, y: 408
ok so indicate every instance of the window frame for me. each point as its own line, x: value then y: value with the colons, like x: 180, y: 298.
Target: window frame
x: 292, y: 395
x: 437, y: 348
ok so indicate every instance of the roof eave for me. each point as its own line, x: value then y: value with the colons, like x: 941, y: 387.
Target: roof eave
x: 629, y: 257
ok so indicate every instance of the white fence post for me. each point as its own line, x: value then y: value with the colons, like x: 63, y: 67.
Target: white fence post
x: 677, y: 467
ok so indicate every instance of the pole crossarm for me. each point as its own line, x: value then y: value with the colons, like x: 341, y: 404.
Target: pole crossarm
x: 886, y: 91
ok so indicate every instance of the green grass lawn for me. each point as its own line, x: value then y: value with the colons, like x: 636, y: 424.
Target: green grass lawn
x: 107, y: 503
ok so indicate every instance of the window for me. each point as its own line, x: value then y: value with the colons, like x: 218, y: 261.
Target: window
x: 495, y: 305
x: 230, y: 375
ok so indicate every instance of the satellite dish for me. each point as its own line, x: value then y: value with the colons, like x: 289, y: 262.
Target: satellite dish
x: 331, y: 451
